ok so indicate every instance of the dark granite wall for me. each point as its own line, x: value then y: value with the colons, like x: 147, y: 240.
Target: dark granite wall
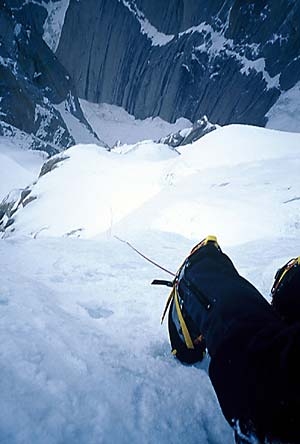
x: 112, y: 61
x: 33, y: 81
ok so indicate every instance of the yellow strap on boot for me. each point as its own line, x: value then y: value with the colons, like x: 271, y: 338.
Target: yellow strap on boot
x: 174, y: 294
x: 287, y: 267
x: 186, y: 334
x: 205, y: 241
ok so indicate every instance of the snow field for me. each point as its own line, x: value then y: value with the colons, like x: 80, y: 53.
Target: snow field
x: 83, y: 355
x: 89, y: 192
x: 84, y: 358
x: 231, y: 182
x: 112, y: 124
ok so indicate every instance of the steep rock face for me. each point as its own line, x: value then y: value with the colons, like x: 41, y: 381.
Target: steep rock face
x: 228, y: 59
x: 189, y: 135
x: 33, y: 83
x: 175, y: 16
x: 45, y: 17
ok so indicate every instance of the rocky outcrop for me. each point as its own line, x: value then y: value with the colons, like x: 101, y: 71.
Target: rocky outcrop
x: 189, y: 135
x: 52, y: 163
x: 227, y: 59
x: 11, y: 204
x: 36, y: 92
x: 20, y: 198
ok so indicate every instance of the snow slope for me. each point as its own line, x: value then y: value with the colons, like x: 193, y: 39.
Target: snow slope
x: 18, y: 168
x: 285, y: 113
x: 83, y: 355
x: 112, y: 124
x: 232, y: 171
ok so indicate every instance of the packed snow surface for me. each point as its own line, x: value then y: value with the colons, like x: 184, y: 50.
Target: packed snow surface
x: 113, y: 124
x: 84, y: 358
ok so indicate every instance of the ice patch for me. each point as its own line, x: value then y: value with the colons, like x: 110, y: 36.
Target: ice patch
x: 54, y: 22
x: 215, y: 44
x: 157, y: 38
